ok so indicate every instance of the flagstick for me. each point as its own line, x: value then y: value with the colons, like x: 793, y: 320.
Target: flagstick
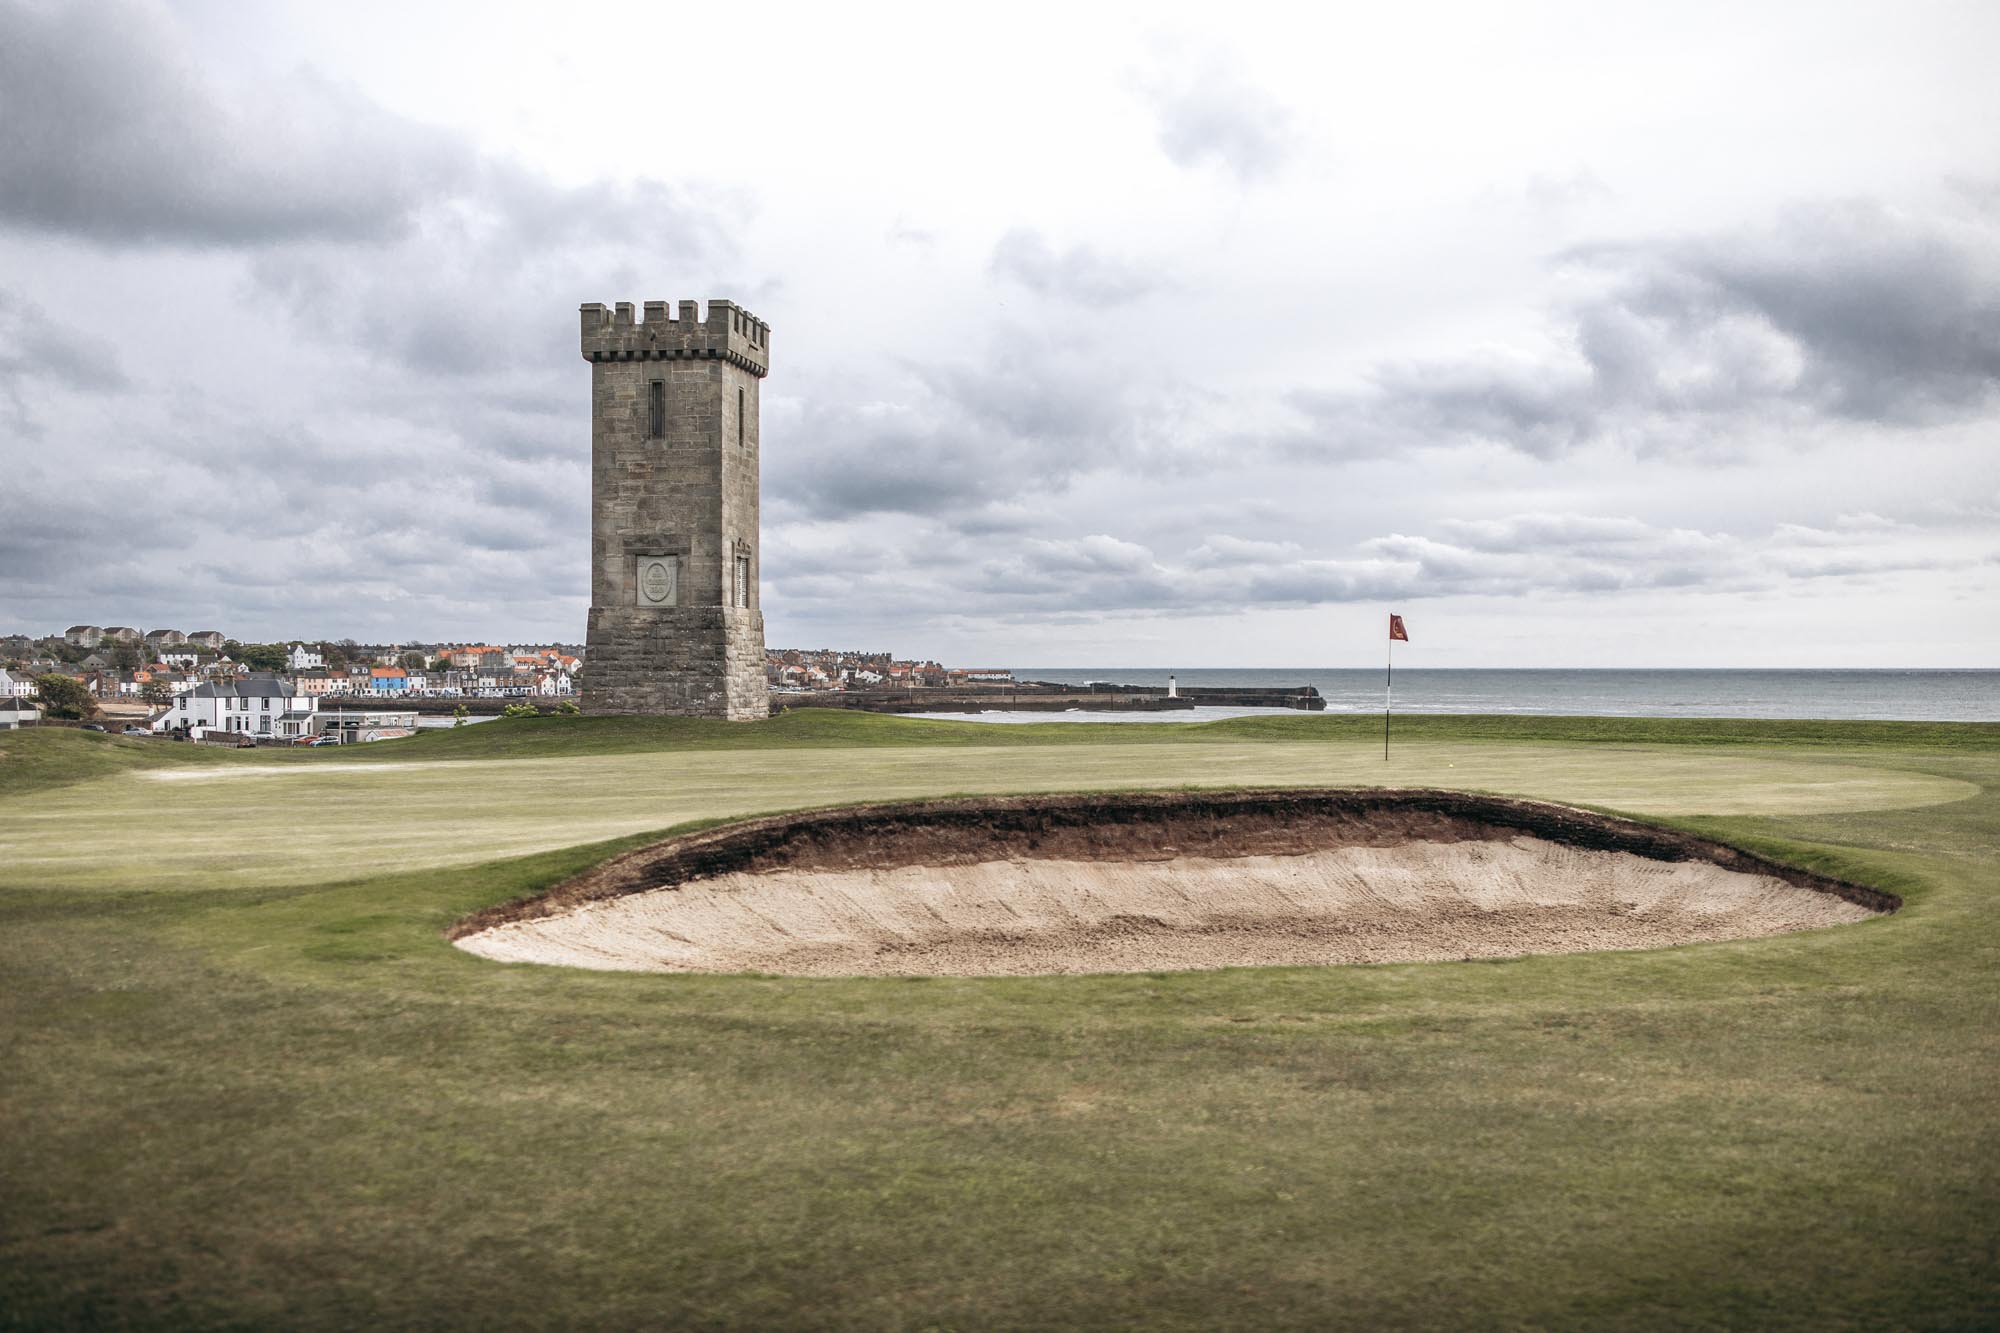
x: 1388, y: 697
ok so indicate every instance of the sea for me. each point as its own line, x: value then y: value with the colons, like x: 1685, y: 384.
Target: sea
x: 1899, y: 695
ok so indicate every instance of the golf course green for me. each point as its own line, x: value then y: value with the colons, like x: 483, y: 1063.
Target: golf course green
x: 246, y: 1081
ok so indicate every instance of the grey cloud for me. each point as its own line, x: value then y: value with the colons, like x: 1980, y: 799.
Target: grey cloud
x: 34, y: 343
x: 1097, y: 571
x: 891, y: 568
x: 1000, y: 518
x: 1846, y: 530
x: 1898, y: 317
x: 1031, y: 390
x: 860, y: 460
x: 109, y: 132
x: 372, y: 508
x: 1319, y: 583
x: 1515, y: 556
x: 1227, y: 550
x: 1656, y: 378
x: 1105, y: 574
x: 1213, y: 116
x: 41, y: 543
x: 1027, y: 418
x: 1526, y: 554
x: 37, y: 349
x: 1845, y: 311
x: 1538, y: 409
x: 1095, y: 554
x: 1079, y: 274
x: 491, y: 281
x: 1572, y: 532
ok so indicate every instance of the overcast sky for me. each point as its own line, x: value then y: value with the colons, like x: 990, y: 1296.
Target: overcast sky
x: 1579, y: 334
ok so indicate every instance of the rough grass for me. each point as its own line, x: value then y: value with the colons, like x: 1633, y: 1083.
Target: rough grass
x: 36, y: 758
x: 281, y: 1099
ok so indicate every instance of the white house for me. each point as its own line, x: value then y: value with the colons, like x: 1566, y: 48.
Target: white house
x: 302, y: 658
x: 15, y: 687
x: 16, y: 713
x: 260, y: 705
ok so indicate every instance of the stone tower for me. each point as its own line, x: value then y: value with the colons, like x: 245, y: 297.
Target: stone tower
x: 675, y: 619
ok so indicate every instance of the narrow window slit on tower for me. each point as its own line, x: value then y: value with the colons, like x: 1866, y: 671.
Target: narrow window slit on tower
x: 656, y: 415
x: 739, y: 418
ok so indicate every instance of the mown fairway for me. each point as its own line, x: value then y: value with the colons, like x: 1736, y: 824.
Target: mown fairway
x: 246, y: 1082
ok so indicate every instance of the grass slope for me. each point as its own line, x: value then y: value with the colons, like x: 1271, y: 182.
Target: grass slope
x: 36, y: 758
x: 273, y: 1098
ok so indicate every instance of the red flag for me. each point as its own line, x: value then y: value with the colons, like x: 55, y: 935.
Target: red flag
x: 1396, y: 630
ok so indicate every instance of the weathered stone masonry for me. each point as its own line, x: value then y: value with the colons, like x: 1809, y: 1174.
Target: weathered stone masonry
x: 676, y: 624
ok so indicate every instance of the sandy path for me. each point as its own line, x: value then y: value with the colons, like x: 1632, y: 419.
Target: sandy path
x: 304, y: 768
x: 1421, y: 901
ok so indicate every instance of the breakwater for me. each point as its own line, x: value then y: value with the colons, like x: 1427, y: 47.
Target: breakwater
x: 1028, y: 696
x: 1036, y: 696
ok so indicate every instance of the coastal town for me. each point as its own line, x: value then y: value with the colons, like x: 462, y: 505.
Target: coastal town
x: 207, y: 685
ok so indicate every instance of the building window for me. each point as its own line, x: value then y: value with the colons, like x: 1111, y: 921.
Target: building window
x: 656, y: 409
x: 742, y: 580
x: 739, y: 418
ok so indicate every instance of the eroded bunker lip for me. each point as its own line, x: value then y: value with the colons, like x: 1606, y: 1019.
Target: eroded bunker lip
x: 1149, y: 881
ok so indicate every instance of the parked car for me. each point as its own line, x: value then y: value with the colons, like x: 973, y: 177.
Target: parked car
x: 92, y: 726
x: 137, y: 731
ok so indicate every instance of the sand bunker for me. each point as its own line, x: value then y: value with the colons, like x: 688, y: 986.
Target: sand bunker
x: 1149, y: 882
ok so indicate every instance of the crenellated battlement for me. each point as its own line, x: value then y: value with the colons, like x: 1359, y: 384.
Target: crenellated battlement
x: 730, y: 333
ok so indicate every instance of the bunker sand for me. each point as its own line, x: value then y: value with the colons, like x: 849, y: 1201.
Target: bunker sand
x: 1160, y: 883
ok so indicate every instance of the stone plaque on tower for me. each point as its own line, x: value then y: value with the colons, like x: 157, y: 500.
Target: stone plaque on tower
x: 675, y: 619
